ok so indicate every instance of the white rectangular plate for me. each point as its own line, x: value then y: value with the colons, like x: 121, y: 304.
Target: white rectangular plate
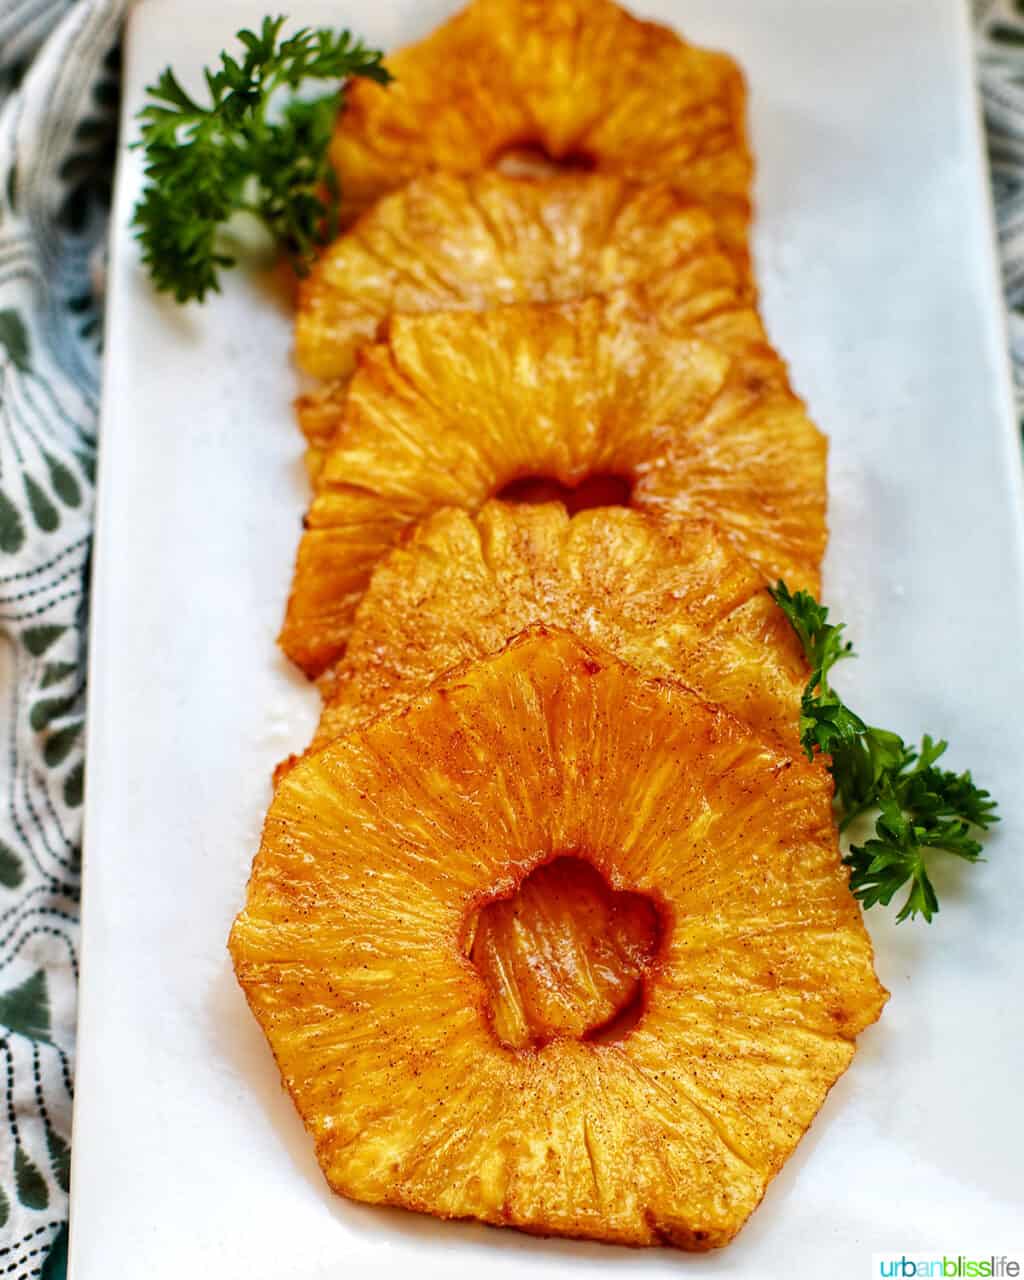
x: 875, y: 257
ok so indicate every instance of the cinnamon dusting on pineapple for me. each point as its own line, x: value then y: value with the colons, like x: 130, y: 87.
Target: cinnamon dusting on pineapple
x: 380, y: 1023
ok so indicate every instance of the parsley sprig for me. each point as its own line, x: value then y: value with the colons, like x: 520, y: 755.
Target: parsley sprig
x: 919, y: 806
x: 238, y: 154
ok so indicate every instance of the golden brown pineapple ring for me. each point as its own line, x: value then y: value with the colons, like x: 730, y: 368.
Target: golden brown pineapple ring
x: 671, y: 602
x: 377, y: 854
x: 447, y: 242
x: 455, y: 407
x: 581, y: 80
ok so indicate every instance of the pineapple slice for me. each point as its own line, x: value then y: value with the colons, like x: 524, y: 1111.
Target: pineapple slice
x: 671, y: 600
x: 377, y: 856
x: 447, y: 242
x: 674, y: 602
x: 698, y: 420
x: 580, y: 80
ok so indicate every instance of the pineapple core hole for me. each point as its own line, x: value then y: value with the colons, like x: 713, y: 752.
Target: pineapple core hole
x: 595, y: 491
x: 529, y: 161
x: 566, y: 955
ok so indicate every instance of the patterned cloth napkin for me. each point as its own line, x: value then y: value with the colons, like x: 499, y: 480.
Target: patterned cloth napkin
x: 58, y: 133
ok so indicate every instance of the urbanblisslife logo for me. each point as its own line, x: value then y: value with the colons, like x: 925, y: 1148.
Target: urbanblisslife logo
x: 955, y: 1266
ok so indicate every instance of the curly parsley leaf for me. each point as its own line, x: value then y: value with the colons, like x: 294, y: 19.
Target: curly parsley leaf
x: 919, y: 806
x: 239, y: 153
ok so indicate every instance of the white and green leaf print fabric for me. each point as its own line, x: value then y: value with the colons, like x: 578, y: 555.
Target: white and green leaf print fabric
x: 58, y: 104
x: 58, y: 117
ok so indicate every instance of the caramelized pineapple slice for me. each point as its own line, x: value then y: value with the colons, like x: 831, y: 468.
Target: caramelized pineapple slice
x: 671, y: 600
x: 379, y: 853
x: 582, y: 81
x: 447, y: 242
x: 697, y: 420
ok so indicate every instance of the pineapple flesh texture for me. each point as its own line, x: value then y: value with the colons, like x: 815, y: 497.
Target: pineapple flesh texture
x: 582, y: 81
x: 449, y: 242
x: 696, y: 415
x: 377, y: 855
x: 566, y: 955
x: 672, y: 602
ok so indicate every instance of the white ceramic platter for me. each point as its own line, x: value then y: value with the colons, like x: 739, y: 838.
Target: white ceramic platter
x: 875, y: 257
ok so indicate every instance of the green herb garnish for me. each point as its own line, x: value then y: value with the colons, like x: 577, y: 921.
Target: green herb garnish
x: 206, y: 163
x: 919, y: 807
